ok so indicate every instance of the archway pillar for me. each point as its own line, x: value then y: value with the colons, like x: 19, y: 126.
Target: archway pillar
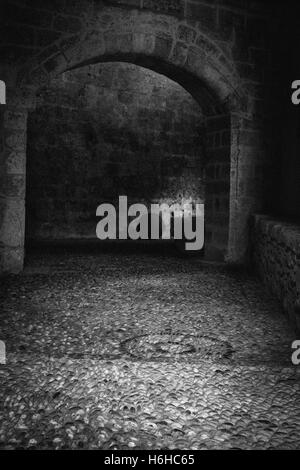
x: 205, y: 62
x: 13, y: 129
x: 246, y: 183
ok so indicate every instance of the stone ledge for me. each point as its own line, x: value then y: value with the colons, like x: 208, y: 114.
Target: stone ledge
x: 285, y: 232
x: 276, y: 257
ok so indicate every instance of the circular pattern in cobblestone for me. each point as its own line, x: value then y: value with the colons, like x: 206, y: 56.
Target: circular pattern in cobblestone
x: 172, y: 345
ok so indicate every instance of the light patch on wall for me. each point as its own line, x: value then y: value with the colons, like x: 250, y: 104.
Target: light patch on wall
x: 2, y: 92
x: 2, y: 353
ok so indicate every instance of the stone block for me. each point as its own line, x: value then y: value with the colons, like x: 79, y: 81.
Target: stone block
x: 163, y: 46
x: 11, y: 259
x: 186, y: 34
x: 179, y: 54
x: 143, y: 42
x: 12, y: 185
x: 15, y: 120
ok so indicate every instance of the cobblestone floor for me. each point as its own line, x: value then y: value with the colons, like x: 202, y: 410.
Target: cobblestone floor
x: 145, y: 352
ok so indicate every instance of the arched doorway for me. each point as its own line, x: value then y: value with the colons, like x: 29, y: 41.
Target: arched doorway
x: 112, y: 129
x: 201, y: 68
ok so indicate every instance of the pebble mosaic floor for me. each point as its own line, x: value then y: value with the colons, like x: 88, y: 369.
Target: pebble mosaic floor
x: 114, y: 351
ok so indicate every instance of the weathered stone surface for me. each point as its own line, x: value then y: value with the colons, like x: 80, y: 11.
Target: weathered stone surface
x: 39, y: 77
x: 56, y: 64
x: 13, y: 185
x: 163, y: 45
x: 143, y: 43
x: 186, y: 34
x: 179, y: 53
x: 11, y: 259
x: 15, y: 140
x: 276, y: 254
x: 14, y: 162
x: 15, y: 119
x: 117, y: 44
x: 12, y: 222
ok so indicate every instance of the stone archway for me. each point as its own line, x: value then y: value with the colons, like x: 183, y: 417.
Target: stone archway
x: 170, y: 46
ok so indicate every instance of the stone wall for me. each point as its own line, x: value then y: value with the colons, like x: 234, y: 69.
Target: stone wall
x: 108, y: 130
x: 276, y: 256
